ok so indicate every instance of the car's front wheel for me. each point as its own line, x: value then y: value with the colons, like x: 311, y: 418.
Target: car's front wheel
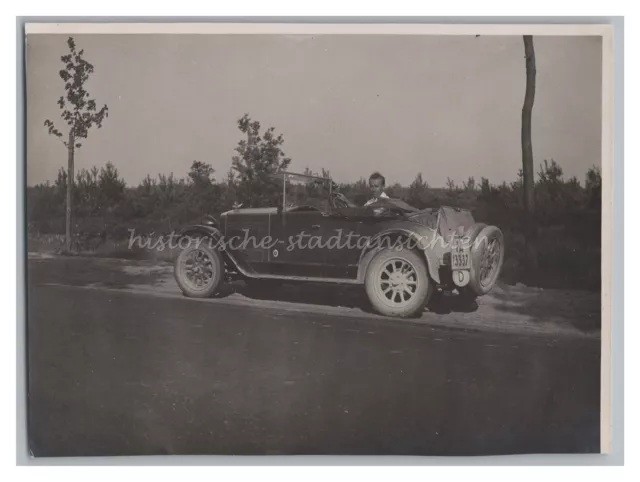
x: 397, y: 283
x: 199, y: 271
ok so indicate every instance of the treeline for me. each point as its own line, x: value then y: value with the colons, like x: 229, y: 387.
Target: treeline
x: 567, y: 213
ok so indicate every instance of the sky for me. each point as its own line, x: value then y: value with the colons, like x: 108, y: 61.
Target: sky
x: 444, y: 106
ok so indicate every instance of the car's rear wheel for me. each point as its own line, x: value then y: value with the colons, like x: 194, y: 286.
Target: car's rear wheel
x: 397, y: 283
x: 199, y: 271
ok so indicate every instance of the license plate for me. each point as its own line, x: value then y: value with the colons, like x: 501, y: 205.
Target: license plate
x: 460, y: 256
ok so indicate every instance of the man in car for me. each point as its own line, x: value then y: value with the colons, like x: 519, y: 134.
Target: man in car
x: 376, y: 184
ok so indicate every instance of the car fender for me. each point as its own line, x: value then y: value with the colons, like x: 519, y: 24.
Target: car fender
x: 472, y: 232
x: 421, y: 235
x: 212, y: 232
x: 202, y: 230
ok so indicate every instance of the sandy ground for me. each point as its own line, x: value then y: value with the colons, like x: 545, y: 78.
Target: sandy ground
x: 519, y: 308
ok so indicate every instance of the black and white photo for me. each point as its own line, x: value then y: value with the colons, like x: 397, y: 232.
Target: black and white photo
x: 288, y: 240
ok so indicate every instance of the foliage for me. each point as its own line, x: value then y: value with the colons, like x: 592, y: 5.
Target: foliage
x: 257, y: 157
x: 79, y: 112
x: 567, y: 217
x: 200, y: 174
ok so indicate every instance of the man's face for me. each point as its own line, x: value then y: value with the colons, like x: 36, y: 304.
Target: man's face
x: 376, y: 187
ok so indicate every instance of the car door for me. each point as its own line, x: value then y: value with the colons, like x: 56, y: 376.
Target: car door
x: 245, y: 232
x: 298, y: 249
x: 343, y: 234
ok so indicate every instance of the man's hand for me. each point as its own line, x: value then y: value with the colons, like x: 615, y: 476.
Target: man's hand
x: 338, y: 196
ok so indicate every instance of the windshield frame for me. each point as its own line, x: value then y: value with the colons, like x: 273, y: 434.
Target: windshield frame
x: 286, y: 177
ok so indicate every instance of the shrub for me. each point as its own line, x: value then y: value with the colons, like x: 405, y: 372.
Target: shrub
x: 568, y: 215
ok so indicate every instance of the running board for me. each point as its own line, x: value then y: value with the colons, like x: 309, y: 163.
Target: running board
x: 313, y: 279
x: 303, y: 278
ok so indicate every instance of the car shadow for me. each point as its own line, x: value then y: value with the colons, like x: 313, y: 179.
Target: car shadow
x: 577, y: 308
x: 442, y: 303
x: 334, y: 295
x: 323, y: 294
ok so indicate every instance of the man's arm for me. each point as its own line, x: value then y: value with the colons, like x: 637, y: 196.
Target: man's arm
x: 344, y: 199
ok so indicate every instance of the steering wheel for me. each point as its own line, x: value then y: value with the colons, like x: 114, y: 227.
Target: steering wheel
x: 339, y: 200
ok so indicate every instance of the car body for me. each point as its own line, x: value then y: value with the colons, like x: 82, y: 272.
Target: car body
x: 337, y: 243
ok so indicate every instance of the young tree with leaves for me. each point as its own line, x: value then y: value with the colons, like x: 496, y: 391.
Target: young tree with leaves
x: 258, y: 156
x: 110, y: 187
x: 418, y: 191
x: 200, y: 174
x: 79, y: 112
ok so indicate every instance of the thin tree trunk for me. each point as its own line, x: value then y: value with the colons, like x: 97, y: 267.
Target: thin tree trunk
x: 527, y: 154
x: 527, y: 108
x: 70, y: 148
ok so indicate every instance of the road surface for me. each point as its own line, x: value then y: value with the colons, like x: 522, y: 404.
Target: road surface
x: 117, y: 370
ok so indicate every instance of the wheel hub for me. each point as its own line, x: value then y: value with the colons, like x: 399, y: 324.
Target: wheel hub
x: 199, y: 269
x: 489, y: 262
x: 398, y: 282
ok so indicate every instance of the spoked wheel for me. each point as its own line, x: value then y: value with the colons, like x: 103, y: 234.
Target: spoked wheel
x: 397, y: 283
x: 489, y: 263
x: 486, y: 260
x: 199, y: 271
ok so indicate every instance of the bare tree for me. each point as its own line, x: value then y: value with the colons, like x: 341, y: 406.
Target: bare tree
x: 79, y: 112
x: 527, y: 150
x: 527, y: 109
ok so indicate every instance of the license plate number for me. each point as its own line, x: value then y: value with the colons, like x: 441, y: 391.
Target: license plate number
x: 460, y: 257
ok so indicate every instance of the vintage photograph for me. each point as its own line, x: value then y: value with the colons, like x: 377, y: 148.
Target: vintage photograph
x: 287, y: 242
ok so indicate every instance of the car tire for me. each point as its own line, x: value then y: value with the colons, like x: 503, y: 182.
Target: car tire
x: 397, y: 283
x: 199, y: 271
x: 487, y: 256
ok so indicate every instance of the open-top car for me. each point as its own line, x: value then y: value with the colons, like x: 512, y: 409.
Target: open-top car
x: 400, y: 254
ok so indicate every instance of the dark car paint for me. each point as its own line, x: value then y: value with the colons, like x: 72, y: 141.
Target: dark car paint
x: 259, y: 241
x: 283, y: 257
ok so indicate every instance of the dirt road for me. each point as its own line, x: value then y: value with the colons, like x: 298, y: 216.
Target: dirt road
x: 119, y: 363
x: 517, y: 309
